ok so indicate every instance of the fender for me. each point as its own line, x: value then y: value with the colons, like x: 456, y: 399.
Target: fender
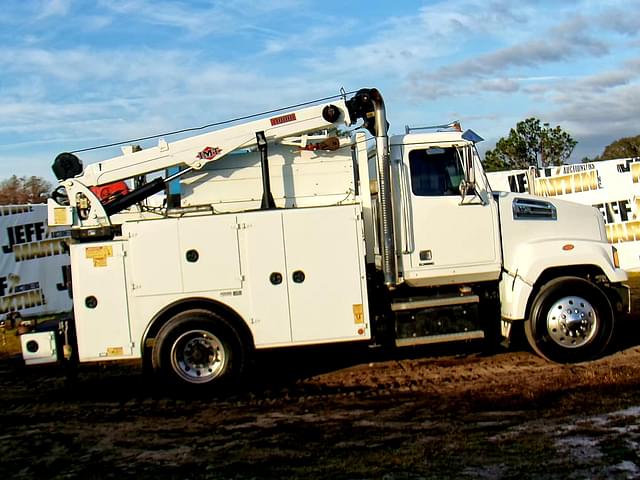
x: 164, y: 314
x: 534, y: 258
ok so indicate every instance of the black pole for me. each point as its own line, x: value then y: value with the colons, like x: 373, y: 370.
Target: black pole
x: 268, y: 203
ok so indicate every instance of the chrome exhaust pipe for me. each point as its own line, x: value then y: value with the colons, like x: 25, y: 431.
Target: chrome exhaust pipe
x: 368, y: 105
x: 388, y: 249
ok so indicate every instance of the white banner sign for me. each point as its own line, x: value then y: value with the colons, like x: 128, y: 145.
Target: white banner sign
x: 33, y: 277
x: 612, y: 186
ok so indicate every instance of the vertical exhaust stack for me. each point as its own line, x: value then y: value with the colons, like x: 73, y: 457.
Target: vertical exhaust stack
x: 388, y: 249
x: 376, y: 123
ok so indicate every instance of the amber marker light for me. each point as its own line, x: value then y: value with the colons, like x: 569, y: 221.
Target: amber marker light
x: 567, y: 247
x: 616, y: 260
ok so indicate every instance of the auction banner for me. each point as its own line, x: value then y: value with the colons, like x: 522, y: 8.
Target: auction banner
x: 612, y: 186
x: 34, y: 263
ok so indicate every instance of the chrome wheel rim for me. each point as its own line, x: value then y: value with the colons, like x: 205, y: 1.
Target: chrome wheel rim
x: 197, y: 356
x: 572, y: 322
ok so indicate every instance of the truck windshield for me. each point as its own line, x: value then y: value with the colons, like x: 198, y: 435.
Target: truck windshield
x: 435, y: 172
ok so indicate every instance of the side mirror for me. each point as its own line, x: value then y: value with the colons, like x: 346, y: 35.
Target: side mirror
x: 469, y: 171
x: 468, y: 184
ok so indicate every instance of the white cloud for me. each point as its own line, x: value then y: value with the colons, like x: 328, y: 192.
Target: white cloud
x: 575, y: 39
x: 200, y: 19
x: 53, y: 8
x: 181, y: 15
x: 503, y: 85
x: 117, y: 95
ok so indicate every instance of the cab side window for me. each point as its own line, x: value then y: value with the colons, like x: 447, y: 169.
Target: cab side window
x: 435, y: 172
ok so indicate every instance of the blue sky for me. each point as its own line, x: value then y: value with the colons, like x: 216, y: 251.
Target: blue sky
x: 76, y: 73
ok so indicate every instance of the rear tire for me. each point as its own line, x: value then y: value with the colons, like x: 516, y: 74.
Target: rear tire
x: 200, y: 350
x: 571, y: 321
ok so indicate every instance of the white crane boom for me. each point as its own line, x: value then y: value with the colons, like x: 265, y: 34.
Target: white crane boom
x: 85, y: 210
x: 201, y: 149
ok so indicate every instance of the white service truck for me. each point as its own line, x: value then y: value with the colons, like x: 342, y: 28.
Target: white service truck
x: 288, y: 230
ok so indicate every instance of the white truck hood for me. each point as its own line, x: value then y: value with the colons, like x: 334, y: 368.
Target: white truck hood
x: 549, y: 227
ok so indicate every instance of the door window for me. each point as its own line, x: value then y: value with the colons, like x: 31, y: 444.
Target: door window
x: 435, y: 172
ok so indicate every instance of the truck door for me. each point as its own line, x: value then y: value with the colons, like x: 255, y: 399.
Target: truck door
x: 452, y: 242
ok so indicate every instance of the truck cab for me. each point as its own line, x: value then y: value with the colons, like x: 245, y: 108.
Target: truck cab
x: 546, y: 260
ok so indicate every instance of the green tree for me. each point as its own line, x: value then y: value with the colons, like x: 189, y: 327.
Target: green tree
x: 23, y: 190
x: 527, y: 142
x: 627, y: 147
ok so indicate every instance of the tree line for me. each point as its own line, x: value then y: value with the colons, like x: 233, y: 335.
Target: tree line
x: 22, y: 190
x: 533, y: 143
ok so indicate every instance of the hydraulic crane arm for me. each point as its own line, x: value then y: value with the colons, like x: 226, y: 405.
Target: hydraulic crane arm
x: 85, y: 210
x: 197, y: 151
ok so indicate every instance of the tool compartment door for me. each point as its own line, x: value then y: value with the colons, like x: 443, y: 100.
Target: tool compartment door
x: 100, y: 301
x: 324, y: 253
x: 208, y: 253
x: 155, y: 258
x: 262, y: 246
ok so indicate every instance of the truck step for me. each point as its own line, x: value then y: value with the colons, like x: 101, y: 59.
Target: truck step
x: 443, y: 338
x: 430, y: 302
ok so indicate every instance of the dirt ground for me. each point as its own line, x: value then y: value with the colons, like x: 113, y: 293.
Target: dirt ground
x: 338, y: 413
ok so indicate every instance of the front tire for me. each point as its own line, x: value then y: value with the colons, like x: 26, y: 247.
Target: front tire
x: 199, y: 349
x: 571, y: 321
